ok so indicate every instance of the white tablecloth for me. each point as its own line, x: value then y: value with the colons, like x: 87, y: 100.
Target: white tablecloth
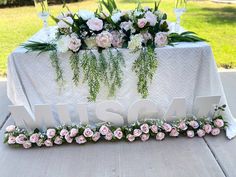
x: 186, y: 70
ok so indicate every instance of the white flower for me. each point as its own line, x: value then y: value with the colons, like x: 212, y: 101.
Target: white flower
x: 11, y: 140
x: 90, y: 42
x: 95, y: 24
x: 64, y: 132
x: 104, y: 39
x: 64, y: 22
x: 135, y: 42
x: 86, y: 15
x: 73, y: 132
x: 151, y: 18
x: 161, y: 39
x: 74, y: 43
x: 10, y: 128
x: 63, y: 43
x: 116, y: 17
x: 63, y: 15
x: 126, y: 25
x: 137, y: 13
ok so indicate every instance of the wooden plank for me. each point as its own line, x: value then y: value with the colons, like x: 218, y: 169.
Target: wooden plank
x: 180, y: 157
x: 4, y: 102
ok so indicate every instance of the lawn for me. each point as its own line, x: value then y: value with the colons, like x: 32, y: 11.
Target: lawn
x: 214, y: 22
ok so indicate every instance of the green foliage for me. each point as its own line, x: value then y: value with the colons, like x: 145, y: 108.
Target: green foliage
x: 110, y: 5
x: 187, y: 36
x: 145, y: 67
x: 91, y: 72
x: 75, y: 67
x: 34, y: 46
x: 56, y: 64
x: 116, y: 63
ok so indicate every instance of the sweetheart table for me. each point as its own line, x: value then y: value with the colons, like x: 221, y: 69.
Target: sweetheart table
x: 185, y: 70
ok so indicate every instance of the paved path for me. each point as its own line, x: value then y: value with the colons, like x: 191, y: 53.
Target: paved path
x: 180, y: 157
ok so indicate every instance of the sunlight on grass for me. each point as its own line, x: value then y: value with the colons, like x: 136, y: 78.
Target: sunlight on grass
x: 214, y: 22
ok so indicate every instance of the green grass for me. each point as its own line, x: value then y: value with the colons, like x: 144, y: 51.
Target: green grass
x: 214, y: 22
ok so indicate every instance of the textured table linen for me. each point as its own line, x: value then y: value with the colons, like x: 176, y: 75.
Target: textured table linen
x: 186, y: 70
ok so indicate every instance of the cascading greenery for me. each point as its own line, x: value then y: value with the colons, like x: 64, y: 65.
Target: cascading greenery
x: 145, y: 67
x: 75, y: 67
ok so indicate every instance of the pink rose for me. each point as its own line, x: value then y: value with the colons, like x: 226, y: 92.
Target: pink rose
x: 51, y: 133
x: 68, y: 138
x: 118, y: 133
x: 161, y: 39
x: 11, y: 128
x: 167, y: 127
x: 48, y: 143
x: 73, y: 132
x: 145, y: 137
x: 96, y: 136
x: 34, y: 138
x: 219, y: 123
x: 130, y: 137
x: 11, y: 140
x: 160, y: 136
x: 137, y: 132
x: 74, y: 43
x: 58, y: 140
x: 194, y: 124
x: 154, y: 128
x: 126, y: 25
x: 88, y: 132
x: 182, y: 126
x: 190, y: 133
x: 151, y: 18
x: 201, y: 133
x: 207, y: 128
x: 80, y: 139
x: 109, y: 136
x: 95, y: 24
x: 144, y: 128
x: 174, y: 132
x: 104, y: 39
x: 27, y: 144
x: 104, y: 130
x: 117, y: 39
x: 21, y: 138
x: 64, y: 132
x: 215, y: 131
x: 142, y: 22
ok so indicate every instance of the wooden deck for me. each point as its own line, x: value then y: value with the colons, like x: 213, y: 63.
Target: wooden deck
x: 174, y: 157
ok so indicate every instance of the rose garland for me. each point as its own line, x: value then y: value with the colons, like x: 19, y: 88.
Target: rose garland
x: 143, y: 130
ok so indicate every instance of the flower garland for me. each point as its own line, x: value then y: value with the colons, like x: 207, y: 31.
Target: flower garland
x: 143, y: 130
x: 141, y: 29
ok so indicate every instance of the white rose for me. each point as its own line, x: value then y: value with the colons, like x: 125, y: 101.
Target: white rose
x: 116, y: 17
x: 90, y: 42
x: 27, y: 144
x: 86, y: 15
x: 64, y: 22
x: 63, y: 43
x: 135, y: 42
x: 51, y: 133
x: 151, y: 18
x: 126, y: 25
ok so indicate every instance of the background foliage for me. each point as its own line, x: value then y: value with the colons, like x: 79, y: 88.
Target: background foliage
x: 212, y: 21
x: 7, y: 3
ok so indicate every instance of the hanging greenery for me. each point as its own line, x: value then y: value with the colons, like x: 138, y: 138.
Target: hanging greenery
x: 145, y: 67
x: 56, y: 64
x: 75, y: 66
x: 91, y: 72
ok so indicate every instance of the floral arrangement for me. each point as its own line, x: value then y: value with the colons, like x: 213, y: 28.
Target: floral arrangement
x: 143, y: 130
x: 140, y: 30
